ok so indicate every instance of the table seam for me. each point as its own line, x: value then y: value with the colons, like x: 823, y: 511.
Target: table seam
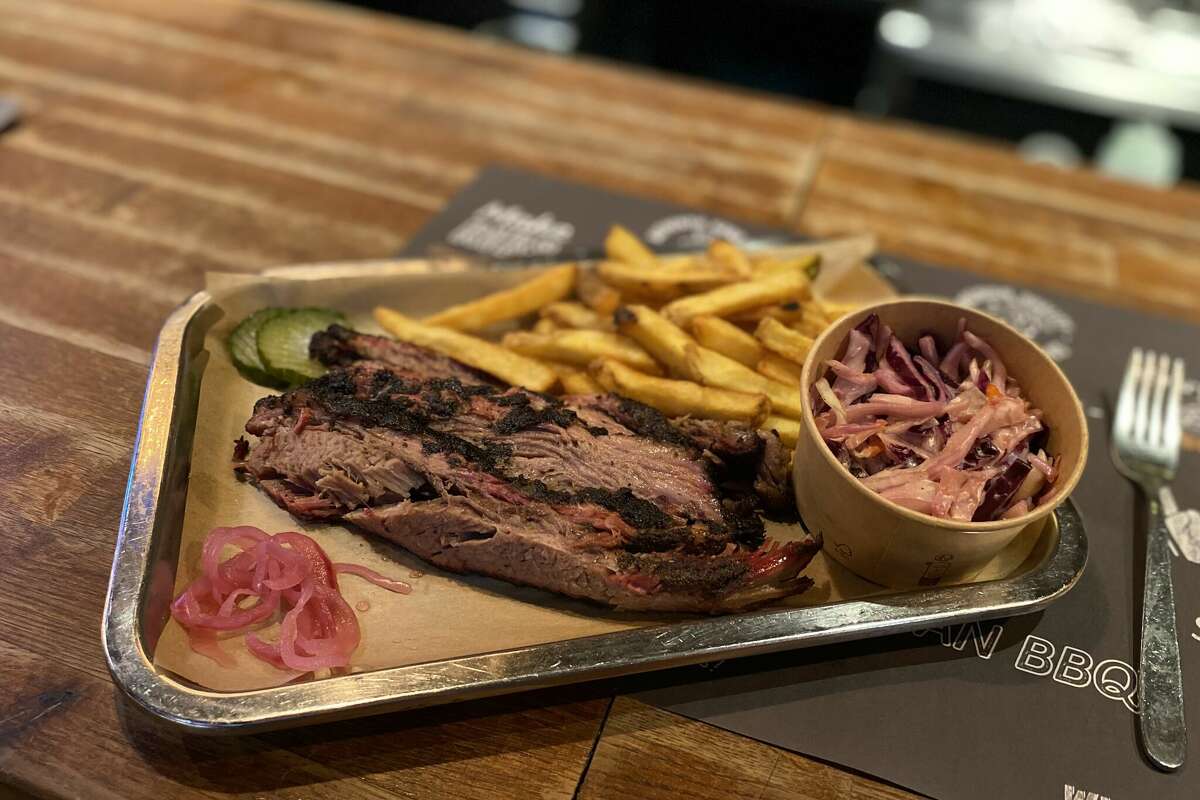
x: 587, y: 763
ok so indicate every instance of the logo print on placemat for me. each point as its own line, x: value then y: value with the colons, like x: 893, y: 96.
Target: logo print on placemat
x: 1031, y: 314
x: 1190, y: 415
x: 691, y: 232
x: 1184, y: 527
x: 505, y: 230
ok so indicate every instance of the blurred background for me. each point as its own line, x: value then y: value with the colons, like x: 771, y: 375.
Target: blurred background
x: 1111, y: 83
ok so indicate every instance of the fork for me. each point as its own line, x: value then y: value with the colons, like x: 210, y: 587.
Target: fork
x: 1145, y: 449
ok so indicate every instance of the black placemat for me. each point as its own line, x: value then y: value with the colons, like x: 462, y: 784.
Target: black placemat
x: 1036, y: 706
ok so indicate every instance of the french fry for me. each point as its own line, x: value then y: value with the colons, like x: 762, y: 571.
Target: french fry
x: 713, y: 369
x: 788, y: 429
x: 660, y: 337
x: 727, y: 339
x: 816, y: 311
x: 680, y: 398
x: 726, y: 255
x: 559, y: 367
x: 809, y: 318
x: 786, y: 312
x: 545, y: 325
x: 576, y: 382
x: 595, y: 293
x: 778, y: 368
x: 782, y: 340
x: 569, y: 314
x: 572, y: 379
x: 655, y: 299
x: 789, y: 285
x: 622, y: 245
x: 553, y: 284
x: 838, y: 256
x: 773, y: 265
x: 677, y: 278
x: 812, y: 321
x: 685, y: 358
x: 833, y: 311
x: 580, y: 348
x: 470, y: 350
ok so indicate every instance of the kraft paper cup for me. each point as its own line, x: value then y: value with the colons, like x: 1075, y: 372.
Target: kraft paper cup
x: 896, y: 546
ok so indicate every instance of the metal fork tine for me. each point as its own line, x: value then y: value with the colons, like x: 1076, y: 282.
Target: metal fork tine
x: 1162, y: 376
x: 1141, y: 413
x: 1172, y: 419
x: 1123, y: 425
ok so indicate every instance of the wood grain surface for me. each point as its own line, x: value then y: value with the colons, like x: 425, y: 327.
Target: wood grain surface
x: 164, y: 139
x: 647, y: 752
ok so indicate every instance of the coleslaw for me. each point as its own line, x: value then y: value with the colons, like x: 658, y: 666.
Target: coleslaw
x: 942, y: 432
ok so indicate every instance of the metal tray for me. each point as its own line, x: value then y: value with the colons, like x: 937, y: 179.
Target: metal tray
x: 137, y: 606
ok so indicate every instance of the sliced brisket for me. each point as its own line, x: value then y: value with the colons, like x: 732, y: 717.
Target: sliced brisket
x: 597, y: 498
x: 338, y: 346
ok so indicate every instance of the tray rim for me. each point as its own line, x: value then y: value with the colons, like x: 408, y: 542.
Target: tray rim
x: 535, y: 666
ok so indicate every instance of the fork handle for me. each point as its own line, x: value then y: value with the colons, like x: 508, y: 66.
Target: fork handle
x: 1164, y: 736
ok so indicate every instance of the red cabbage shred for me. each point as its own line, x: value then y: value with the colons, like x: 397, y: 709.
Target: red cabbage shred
x: 948, y: 435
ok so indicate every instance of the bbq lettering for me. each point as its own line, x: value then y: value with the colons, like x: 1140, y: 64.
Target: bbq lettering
x: 957, y: 636
x: 1112, y: 678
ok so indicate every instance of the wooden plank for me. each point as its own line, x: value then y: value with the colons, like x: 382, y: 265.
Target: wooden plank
x: 648, y: 753
x: 281, y: 34
x: 286, y: 192
x: 470, y: 137
x: 67, y: 422
x: 61, y: 243
x: 165, y: 179
x: 357, y: 150
x: 230, y: 226
x: 101, y: 393
x: 71, y: 306
x: 732, y: 171
x: 974, y: 163
x: 955, y: 201
x: 65, y: 732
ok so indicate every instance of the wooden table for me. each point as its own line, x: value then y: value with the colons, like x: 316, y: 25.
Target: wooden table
x: 164, y: 139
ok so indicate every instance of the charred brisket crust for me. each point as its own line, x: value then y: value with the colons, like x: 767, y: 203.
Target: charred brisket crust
x: 515, y: 399
x: 459, y: 389
x: 742, y: 520
x: 340, y: 346
x: 337, y: 393
x: 651, y: 423
x: 681, y: 538
x: 387, y: 383
x: 687, y: 575
x: 333, y: 346
x: 522, y: 416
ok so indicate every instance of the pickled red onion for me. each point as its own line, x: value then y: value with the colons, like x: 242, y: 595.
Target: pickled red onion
x: 368, y: 574
x: 288, y: 570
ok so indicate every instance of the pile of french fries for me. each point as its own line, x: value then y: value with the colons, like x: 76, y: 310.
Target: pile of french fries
x: 721, y: 334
